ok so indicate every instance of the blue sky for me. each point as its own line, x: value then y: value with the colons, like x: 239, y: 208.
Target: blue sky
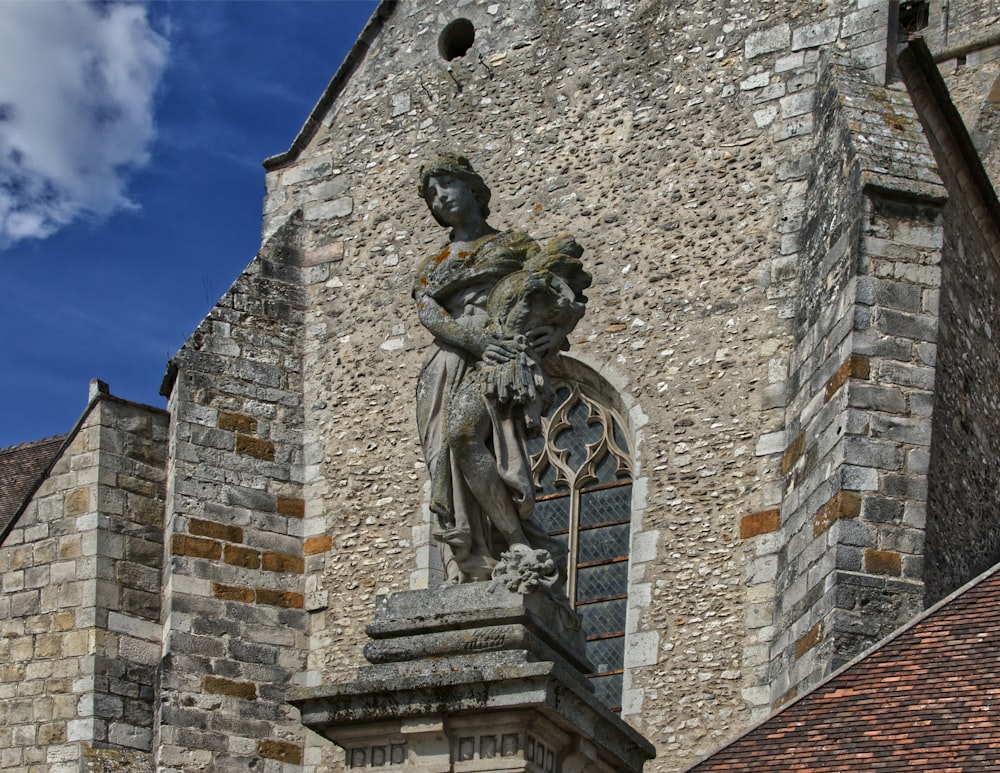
x: 131, y: 142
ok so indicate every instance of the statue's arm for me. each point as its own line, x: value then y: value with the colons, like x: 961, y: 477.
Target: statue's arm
x: 471, y: 338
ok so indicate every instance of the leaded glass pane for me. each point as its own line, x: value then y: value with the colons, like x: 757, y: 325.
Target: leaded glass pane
x: 578, y: 435
x: 552, y: 515
x: 606, y: 654
x: 603, y: 544
x: 609, y: 690
x: 603, y: 617
x: 548, y: 479
x: 607, y: 470
x: 599, y: 582
x: 620, y: 437
x: 562, y: 395
x: 606, y: 505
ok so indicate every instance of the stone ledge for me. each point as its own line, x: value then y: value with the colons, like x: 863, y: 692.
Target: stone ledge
x: 475, y: 606
x: 472, y: 689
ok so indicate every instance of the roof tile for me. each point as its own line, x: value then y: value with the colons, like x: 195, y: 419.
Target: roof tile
x: 21, y: 467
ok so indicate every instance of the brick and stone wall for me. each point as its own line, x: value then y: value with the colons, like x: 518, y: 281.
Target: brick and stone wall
x: 849, y: 568
x: 80, y: 596
x: 234, y: 623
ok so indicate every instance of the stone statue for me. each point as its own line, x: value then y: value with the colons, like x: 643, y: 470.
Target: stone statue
x: 498, y: 304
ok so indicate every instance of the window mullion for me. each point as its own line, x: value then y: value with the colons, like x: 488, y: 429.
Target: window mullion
x: 573, y: 545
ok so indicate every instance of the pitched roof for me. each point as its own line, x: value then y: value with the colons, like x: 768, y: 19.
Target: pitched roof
x: 21, y: 469
x: 925, y: 699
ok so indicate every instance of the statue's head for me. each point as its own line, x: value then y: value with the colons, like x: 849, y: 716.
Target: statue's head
x: 458, y: 166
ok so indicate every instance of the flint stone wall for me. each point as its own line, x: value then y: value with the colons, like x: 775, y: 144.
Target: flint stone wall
x: 672, y: 142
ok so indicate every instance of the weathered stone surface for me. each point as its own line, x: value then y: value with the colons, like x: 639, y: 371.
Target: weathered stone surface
x: 424, y: 675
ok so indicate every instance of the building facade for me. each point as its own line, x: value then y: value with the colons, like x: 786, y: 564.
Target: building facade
x: 779, y: 407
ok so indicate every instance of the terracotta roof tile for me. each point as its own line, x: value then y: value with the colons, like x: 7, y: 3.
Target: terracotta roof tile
x: 924, y: 700
x: 21, y: 467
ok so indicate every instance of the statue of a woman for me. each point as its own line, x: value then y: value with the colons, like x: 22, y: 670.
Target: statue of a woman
x: 497, y: 304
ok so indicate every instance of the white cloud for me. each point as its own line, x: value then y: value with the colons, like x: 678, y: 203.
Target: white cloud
x: 77, y: 81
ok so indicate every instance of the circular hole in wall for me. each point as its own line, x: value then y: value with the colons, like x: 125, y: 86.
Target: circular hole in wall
x: 456, y: 39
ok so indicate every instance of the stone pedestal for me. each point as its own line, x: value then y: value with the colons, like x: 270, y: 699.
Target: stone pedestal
x: 473, y: 678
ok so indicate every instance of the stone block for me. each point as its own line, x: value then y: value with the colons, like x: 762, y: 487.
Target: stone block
x: 209, y: 437
x: 251, y: 652
x: 138, y: 651
x: 793, y: 452
x: 237, y: 422
x: 759, y: 523
x: 27, y: 603
x: 250, y: 498
x: 883, y: 562
x: 80, y: 730
x: 184, y: 545
x: 865, y: 452
x: 762, y: 569
x: 844, y: 504
x: 881, y: 509
x: 282, y: 562
x: 77, y: 501
x: 237, y: 555
x: 816, y: 34
x: 900, y: 324
x: 255, y: 447
x: 854, y: 478
x: 771, y: 443
x: 318, y: 544
x: 905, y: 487
x: 292, y: 507
x: 218, y: 686
x: 767, y: 40
x: 328, y: 210
x: 907, y: 375
x: 808, y: 640
x: 889, y: 399
x: 797, y: 103
x: 755, y: 81
x: 864, y: 20
x: 279, y: 598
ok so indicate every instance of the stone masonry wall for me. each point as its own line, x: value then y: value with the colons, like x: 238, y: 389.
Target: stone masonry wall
x: 79, y: 606
x: 962, y: 535
x: 673, y: 140
x: 961, y: 518
x: 820, y: 363
x: 962, y: 27
x: 860, y: 383
x: 131, y: 491
x: 234, y: 623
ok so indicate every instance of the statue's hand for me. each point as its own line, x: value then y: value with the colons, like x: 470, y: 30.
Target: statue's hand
x: 542, y: 340
x: 496, y: 351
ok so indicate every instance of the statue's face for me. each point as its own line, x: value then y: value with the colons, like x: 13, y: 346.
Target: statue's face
x: 451, y: 200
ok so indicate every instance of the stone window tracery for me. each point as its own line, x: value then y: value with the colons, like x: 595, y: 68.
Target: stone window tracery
x: 583, y: 475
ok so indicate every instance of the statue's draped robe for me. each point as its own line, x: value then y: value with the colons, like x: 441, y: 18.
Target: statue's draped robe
x: 450, y: 387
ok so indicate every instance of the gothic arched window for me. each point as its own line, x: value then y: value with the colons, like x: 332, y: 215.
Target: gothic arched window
x: 583, y: 478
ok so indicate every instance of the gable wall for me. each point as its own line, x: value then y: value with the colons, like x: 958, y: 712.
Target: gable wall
x: 79, y: 606
x: 672, y: 140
